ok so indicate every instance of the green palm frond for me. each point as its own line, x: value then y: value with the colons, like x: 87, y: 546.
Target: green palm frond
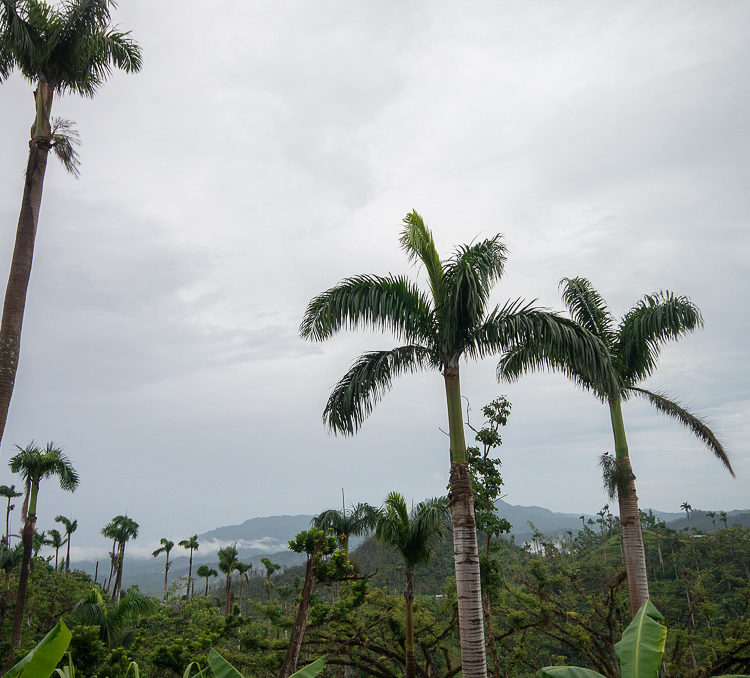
x: 654, y: 320
x: 417, y: 241
x: 469, y: 276
x: 65, y: 138
x: 697, y: 426
x: 587, y: 307
x: 371, y: 375
x: 389, y: 303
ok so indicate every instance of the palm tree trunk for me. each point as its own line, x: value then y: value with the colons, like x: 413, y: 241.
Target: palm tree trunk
x: 27, y: 539
x: 411, y: 657
x: 67, y: 556
x: 190, y: 575
x: 465, y: 550
x: 228, y: 592
x: 206, y: 593
x: 118, y: 581
x: 23, y: 252
x: 630, y: 520
x: 166, y: 573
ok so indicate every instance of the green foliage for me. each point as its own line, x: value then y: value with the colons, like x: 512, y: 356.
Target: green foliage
x: 42, y: 660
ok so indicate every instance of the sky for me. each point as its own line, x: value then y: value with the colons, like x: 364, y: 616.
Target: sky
x: 268, y: 150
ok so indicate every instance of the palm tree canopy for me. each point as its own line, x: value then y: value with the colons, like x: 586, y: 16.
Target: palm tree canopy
x: 70, y: 525
x: 166, y: 547
x: 191, y: 543
x: 413, y: 533
x: 56, y: 540
x: 121, y: 529
x: 227, y: 559
x: 206, y: 571
x: 10, y: 558
x: 438, y: 328
x: 357, y: 521
x: 73, y: 48
x: 34, y: 465
x: 9, y: 491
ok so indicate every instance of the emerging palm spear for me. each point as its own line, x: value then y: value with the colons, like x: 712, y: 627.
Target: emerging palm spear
x: 438, y: 329
x: 633, y: 346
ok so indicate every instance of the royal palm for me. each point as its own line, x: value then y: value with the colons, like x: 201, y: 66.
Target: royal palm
x: 8, y: 492
x: 633, y: 345
x: 227, y: 564
x: 34, y: 465
x: 166, y: 547
x: 438, y: 329
x: 191, y: 544
x: 121, y: 529
x: 414, y: 535
x: 206, y: 571
x: 70, y: 527
x: 70, y: 48
x: 354, y: 522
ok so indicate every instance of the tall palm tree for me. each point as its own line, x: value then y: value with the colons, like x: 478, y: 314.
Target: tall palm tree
x: 35, y: 465
x: 271, y: 567
x: 227, y: 564
x: 354, y: 522
x: 242, y: 569
x: 633, y: 347
x: 166, y: 547
x: 56, y: 541
x: 206, y: 571
x: 439, y: 329
x: 120, y: 529
x: 70, y: 527
x: 414, y: 534
x: 9, y: 492
x: 70, y: 48
x: 191, y: 543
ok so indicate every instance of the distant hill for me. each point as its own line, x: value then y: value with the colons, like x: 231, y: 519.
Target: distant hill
x: 700, y: 521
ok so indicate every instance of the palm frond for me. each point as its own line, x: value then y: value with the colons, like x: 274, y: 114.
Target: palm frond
x: 419, y: 245
x: 389, y: 303
x: 371, y: 375
x: 65, y: 138
x: 587, y: 307
x: 653, y: 321
x: 699, y: 428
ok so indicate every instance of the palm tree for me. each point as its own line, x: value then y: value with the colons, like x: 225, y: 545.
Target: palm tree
x: 34, y: 465
x: 206, y: 571
x: 10, y: 559
x: 414, y: 534
x: 39, y: 540
x: 712, y: 516
x: 70, y: 49
x: 120, y: 529
x: 227, y: 564
x: 439, y: 329
x: 633, y: 346
x: 355, y: 522
x: 9, y: 492
x: 191, y: 544
x: 166, y: 547
x: 242, y: 569
x: 70, y: 527
x: 271, y: 567
x: 56, y: 541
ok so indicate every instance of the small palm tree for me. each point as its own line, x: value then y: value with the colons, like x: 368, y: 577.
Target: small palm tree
x: 712, y: 516
x: 242, y: 569
x: 72, y: 48
x: 70, y: 527
x: 121, y: 529
x: 166, y: 547
x: 39, y: 541
x: 206, y: 571
x: 271, y: 567
x: 227, y: 564
x: 439, y: 330
x: 191, y: 543
x: 56, y: 541
x: 354, y: 522
x: 414, y: 535
x: 8, y: 492
x: 633, y: 347
x: 34, y: 465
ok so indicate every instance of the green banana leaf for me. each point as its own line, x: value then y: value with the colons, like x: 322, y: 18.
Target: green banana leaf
x: 221, y: 667
x: 642, y: 645
x: 567, y: 672
x: 311, y: 670
x: 734, y: 675
x: 42, y: 660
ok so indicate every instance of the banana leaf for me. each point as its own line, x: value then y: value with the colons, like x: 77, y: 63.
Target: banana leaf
x: 310, y: 670
x: 642, y: 645
x: 42, y: 660
x: 567, y: 672
x: 221, y: 667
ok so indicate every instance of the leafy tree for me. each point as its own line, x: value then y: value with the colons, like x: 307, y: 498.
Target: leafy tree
x: 9, y: 492
x: 227, y: 563
x: 633, y: 349
x: 121, y: 529
x: 166, y: 547
x: 439, y: 330
x: 70, y: 527
x: 35, y: 465
x: 413, y: 534
x: 206, y: 571
x: 72, y: 48
x: 191, y: 543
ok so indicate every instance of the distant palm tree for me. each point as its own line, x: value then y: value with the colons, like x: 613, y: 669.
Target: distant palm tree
x: 633, y: 347
x: 723, y: 518
x: 40, y: 540
x: 227, y: 564
x: 56, y: 541
x: 166, y: 547
x: 64, y: 48
x: 687, y: 508
x: 34, y: 465
x: 9, y: 492
x: 712, y: 516
x: 414, y: 535
x: 70, y: 527
x: 120, y: 529
x: 439, y: 330
x: 242, y: 569
x: 206, y: 571
x: 191, y: 543
x: 355, y: 522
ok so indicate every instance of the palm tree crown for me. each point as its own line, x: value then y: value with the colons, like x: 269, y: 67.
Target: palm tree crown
x: 35, y: 465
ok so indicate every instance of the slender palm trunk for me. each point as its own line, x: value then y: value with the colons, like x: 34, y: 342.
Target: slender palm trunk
x: 57, y: 550
x: 7, y: 525
x: 411, y: 657
x: 206, y: 593
x: 465, y: 550
x: 27, y: 539
x: 67, y: 555
x: 118, y: 582
x: 228, y: 599
x: 166, y: 572
x: 630, y: 520
x: 23, y: 252
x: 190, y: 575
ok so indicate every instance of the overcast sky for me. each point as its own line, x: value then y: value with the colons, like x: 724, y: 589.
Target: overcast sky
x: 268, y: 150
